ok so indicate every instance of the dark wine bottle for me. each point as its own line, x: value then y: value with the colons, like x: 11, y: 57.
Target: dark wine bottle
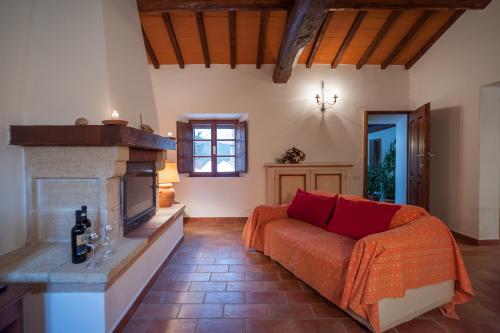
x: 85, y: 219
x: 78, y: 245
x: 86, y: 224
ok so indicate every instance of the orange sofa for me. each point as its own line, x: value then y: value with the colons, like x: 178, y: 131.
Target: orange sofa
x: 381, y: 280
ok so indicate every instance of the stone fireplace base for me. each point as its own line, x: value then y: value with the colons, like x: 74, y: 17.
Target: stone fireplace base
x: 59, y: 180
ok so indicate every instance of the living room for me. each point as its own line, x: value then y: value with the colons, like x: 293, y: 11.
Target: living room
x: 179, y: 123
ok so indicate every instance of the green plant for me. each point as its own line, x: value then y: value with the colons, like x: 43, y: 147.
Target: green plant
x: 382, y: 177
x: 388, y: 178
x: 374, y: 179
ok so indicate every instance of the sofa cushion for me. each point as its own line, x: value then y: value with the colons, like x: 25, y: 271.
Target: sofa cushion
x: 312, y: 208
x: 360, y: 218
x: 317, y: 257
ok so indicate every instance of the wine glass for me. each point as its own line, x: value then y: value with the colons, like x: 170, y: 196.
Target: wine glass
x: 92, y: 238
x: 107, y: 231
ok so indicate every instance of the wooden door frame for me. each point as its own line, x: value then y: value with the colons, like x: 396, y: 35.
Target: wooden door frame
x: 365, y: 143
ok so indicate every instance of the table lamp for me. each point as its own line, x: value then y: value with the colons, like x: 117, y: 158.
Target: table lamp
x: 168, y: 176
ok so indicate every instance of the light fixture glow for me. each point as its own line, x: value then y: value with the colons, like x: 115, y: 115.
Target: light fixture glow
x: 115, y: 114
x: 322, y: 101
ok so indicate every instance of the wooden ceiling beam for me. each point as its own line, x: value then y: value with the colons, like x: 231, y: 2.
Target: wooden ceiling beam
x: 173, y: 39
x: 306, y: 17
x: 378, y: 38
x: 409, y: 35
x: 149, y: 50
x: 209, y: 5
x: 347, y: 40
x: 203, y: 38
x: 453, y: 18
x: 232, y: 37
x: 264, y: 18
x: 319, y: 38
x: 408, y: 4
x: 145, y: 6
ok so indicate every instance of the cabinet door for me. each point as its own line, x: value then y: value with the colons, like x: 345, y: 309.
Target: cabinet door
x: 334, y: 180
x: 286, y: 183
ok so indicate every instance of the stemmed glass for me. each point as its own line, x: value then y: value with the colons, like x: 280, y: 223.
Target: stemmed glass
x: 92, y: 238
x: 107, y: 231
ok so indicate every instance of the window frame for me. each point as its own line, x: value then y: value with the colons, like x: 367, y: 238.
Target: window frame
x: 213, y: 139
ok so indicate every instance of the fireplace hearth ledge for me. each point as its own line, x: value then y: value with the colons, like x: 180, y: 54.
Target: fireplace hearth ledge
x: 50, y: 263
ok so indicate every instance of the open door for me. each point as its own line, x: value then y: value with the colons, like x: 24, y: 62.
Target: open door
x: 419, y: 156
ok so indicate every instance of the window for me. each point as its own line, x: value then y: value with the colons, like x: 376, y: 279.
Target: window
x: 211, y: 147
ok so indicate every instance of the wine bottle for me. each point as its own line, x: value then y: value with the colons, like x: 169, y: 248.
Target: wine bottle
x: 78, y: 245
x: 86, y: 224
x: 85, y: 219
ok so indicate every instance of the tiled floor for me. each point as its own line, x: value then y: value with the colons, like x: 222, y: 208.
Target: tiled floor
x: 213, y: 285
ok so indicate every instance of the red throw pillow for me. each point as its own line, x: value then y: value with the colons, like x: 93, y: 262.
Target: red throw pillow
x: 312, y: 208
x: 357, y: 219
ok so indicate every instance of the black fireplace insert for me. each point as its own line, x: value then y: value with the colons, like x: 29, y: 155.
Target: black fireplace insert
x: 138, y: 195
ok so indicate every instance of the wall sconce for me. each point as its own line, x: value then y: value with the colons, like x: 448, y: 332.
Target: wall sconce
x: 322, y: 102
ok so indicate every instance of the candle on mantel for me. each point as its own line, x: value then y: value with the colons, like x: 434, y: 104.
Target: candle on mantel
x: 170, y: 134
x: 115, y: 119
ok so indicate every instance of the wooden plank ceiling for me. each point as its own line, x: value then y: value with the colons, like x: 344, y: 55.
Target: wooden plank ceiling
x: 355, y: 32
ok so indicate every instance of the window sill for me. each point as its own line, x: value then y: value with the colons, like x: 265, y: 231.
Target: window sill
x: 214, y: 175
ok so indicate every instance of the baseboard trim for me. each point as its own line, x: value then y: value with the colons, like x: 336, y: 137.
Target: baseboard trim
x: 130, y: 312
x: 474, y: 241
x: 215, y: 219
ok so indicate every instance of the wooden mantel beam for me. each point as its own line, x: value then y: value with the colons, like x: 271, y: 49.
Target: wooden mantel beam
x: 306, y: 17
x: 207, y: 5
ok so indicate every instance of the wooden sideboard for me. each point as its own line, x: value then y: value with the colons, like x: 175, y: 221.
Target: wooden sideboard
x: 11, y: 309
x: 283, y: 180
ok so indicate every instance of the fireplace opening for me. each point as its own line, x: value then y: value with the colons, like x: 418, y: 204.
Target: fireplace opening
x: 138, y: 194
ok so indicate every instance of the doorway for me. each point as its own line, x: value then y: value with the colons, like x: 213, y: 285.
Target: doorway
x: 401, y: 173
x: 386, y: 156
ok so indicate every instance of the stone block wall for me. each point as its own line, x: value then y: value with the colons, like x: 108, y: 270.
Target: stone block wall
x: 59, y: 180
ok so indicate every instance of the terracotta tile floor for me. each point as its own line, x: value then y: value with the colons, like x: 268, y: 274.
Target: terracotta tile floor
x: 213, y: 285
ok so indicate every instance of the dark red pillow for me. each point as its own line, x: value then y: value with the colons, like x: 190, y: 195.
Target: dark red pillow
x: 360, y: 218
x: 312, y: 208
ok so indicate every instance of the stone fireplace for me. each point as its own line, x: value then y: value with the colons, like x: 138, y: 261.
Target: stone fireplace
x: 60, y: 180
x: 70, y: 166
x: 67, y: 167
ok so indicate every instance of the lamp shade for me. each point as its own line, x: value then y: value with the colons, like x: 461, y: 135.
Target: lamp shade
x: 169, y: 174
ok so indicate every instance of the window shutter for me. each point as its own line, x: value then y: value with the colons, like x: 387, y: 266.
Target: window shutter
x: 184, y: 147
x: 241, y: 147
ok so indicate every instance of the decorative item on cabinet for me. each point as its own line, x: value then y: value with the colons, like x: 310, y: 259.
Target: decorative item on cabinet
x: 292, y: 156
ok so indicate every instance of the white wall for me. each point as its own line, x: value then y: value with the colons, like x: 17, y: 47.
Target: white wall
x: 60, y: 60
x: 401, y: 122
x: 489, y: 160
x: 450, y: 76
x: 279, y: 116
